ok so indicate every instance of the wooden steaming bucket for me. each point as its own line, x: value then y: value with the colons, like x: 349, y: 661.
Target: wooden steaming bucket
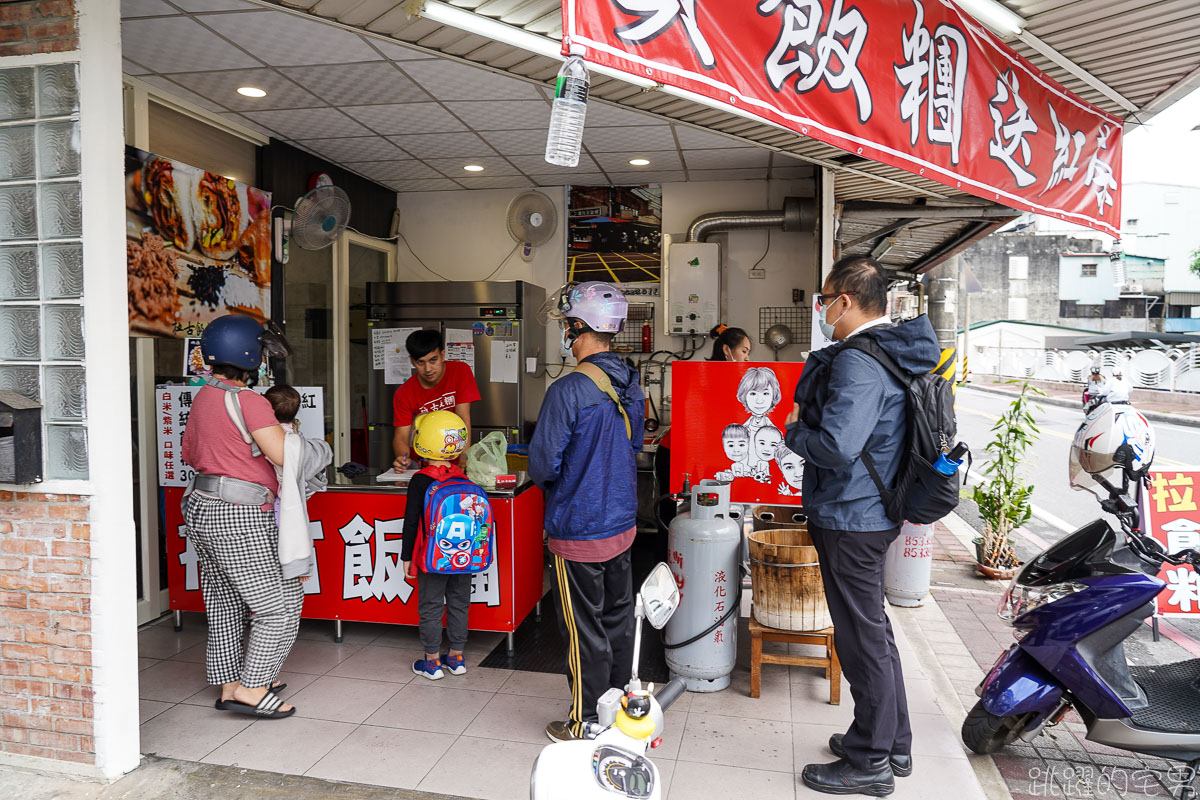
x: 788, y: 591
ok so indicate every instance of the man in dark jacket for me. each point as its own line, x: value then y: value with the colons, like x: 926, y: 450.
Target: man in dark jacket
x: 582, y: 456
x: 847, y: 404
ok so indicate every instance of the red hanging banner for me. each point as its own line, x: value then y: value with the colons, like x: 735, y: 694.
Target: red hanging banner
x: 915, y: 84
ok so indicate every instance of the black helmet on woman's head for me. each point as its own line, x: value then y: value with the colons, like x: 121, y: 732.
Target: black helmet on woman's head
x: 239, y: 341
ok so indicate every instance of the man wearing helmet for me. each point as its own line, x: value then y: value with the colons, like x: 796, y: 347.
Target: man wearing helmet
x: 1093, y: 389
x: 582, y: 456
x: 1118, y: 389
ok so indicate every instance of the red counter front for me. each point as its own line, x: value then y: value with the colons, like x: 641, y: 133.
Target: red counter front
x: 356, y: 534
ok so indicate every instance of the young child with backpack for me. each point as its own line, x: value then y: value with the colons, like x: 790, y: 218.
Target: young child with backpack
x: 449, y: 536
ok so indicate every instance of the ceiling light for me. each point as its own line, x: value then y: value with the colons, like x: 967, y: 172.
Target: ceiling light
x: 640, y: 162
x: 473, y: 168
x: 995, y: 16
x: 251, y: 91
x: 489, y: 28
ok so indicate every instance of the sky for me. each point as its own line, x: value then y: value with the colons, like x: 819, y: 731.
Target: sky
x: 1164, y: 149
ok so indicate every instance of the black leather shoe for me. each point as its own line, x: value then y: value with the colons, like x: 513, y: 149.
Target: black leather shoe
x: 901, y: 765
x: 842, y: 777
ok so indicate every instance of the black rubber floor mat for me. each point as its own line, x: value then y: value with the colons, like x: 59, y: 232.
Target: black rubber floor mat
x: 537, y: 647
x: 1174, y: 694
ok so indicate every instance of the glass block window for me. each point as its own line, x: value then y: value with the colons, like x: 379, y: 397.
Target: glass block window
x: 41, y: 257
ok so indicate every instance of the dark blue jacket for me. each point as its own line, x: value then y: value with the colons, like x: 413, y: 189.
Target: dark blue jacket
x: 848, y: 405
x: 581, y: 457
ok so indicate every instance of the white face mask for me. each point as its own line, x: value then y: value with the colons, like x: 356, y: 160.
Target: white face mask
x: 827, y: 326
x: 566, y: 343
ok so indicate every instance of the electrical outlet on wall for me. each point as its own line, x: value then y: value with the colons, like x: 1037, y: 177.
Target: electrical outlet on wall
x: 758, y: 273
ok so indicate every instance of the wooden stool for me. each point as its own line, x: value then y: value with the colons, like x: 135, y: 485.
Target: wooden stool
x: 760, y: 633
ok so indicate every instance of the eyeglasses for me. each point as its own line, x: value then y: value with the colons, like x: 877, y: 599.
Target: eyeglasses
x: 826, y: 299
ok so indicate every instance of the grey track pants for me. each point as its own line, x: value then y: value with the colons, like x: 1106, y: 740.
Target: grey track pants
x: 437, y: 593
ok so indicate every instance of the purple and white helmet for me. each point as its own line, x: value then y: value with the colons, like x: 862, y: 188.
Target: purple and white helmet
x: 602, y: 307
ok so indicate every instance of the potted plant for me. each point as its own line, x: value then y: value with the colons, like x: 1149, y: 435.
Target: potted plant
x: 1004, y: 498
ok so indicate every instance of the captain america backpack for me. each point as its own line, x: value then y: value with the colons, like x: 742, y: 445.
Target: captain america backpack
x: 458, y: 536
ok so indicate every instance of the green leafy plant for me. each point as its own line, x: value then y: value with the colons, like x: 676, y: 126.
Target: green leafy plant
x: 1004, y: 498
x: 1194, y: 264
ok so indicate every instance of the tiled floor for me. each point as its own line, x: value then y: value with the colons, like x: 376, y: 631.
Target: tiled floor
x: 363, y: 717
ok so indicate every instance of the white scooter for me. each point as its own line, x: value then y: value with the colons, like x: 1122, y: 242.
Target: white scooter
x: 612, y: 760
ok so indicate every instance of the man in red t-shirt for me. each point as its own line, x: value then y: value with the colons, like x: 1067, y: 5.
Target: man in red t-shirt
x: 436, y: 385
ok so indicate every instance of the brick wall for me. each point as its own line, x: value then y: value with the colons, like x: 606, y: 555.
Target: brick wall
x: 37, y: 26
x: 45, y: 624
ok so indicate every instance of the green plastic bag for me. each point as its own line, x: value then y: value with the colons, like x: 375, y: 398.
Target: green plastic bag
x: 488, y: 458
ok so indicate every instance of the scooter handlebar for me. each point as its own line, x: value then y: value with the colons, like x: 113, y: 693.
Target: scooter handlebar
x: 670, y: 693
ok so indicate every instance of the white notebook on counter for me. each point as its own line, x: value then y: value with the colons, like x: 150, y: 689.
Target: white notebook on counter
x: 391, y: 476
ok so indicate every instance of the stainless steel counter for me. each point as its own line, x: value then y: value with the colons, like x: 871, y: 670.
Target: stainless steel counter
x: 366, y: 483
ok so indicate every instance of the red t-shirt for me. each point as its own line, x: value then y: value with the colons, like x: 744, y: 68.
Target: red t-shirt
x: 456, y: 386
x: 212, y: 444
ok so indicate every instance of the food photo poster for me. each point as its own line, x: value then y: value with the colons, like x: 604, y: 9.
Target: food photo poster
x: 198, y: 246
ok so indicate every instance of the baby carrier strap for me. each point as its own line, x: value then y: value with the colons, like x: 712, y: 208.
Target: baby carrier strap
x: 233, y: 407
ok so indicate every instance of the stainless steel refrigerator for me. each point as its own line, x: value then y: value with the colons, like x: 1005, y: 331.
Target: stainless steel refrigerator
x: 495, y: 313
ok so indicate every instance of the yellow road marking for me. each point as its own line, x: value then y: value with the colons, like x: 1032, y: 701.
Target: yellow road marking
x: 607, y: 267
x: 992, y: 418
x: 571, y: 274
x: 639, y: 266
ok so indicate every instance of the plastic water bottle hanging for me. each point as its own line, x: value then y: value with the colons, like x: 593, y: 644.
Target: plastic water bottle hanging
x: 566, y: 117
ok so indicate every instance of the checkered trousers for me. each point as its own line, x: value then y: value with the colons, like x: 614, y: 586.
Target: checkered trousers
x: 238, y: 547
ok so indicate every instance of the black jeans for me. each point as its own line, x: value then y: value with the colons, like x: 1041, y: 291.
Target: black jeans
x: 852, y: 570
x: 594, y: 604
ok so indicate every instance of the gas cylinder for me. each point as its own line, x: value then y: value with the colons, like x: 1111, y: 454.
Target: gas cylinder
x: 908, y: 565
x: 704, y: 544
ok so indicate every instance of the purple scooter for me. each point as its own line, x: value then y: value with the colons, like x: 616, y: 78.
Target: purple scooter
x: 1072, y: 607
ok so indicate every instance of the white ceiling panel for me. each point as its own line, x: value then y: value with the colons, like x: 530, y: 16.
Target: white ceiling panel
x: 358, y: 84
x: 145, y: 8
x: 727, y: 174
x: 131, y: 68
x: 503, y: 115
x: 310, y: 123
x: 284, y: 40
x: 357, y: 148
x: 398, y: 52
x: 789, y: 173
x: 406, y: 118
x: 514, y: 182
x: 519, y: 143
x: 182, y: 93
x: 599, y: 114
x: 443, y: 145
x: 430, y: 185
x: 628, y: 140
x: 693, y: 139
x: 395, y: 170
x: 571, y: 179
x: 223, y: 86
x: 179, y: 44
x: 453, y: 167
x: 732, y: 158
x: 532, y: 165
x: 659, y: 160
x: 635, y: 178
x: 193, y: 6
x: 448, y: 80
x: 251, y: 124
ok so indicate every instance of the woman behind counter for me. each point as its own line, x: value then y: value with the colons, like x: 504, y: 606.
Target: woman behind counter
x: 230, y: 517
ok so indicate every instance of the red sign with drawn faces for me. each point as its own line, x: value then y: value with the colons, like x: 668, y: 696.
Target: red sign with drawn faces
x: 728, y: 424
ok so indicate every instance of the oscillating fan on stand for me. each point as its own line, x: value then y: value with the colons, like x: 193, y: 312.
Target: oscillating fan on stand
x: 316, y: 222
x: 532, y: 220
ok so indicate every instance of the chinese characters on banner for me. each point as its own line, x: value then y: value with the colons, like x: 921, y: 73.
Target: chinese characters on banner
x: 174, y: 404
x: 1172, y: 515
x: 915, y: 84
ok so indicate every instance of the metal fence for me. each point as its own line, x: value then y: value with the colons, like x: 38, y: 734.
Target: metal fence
x: 1177, y: 369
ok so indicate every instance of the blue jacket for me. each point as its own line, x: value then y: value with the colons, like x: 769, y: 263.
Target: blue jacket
x: 849, y: 405
x: 581, y: 457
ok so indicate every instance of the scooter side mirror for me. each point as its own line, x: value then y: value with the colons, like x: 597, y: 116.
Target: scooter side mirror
x: 660, y: 595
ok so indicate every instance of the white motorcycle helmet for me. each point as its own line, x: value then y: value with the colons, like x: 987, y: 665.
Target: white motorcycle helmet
x: 1111, y: 439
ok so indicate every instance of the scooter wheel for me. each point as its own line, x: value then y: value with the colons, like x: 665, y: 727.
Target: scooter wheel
x: 985, y: 733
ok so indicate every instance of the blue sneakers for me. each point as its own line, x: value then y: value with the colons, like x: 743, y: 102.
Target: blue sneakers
x: 455, y: 664
x: 431, y: 669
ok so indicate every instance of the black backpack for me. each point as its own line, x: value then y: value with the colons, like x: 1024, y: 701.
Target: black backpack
x: 921, y: 494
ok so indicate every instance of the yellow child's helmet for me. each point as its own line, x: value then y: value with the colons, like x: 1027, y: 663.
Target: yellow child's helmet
x: 441, y: 436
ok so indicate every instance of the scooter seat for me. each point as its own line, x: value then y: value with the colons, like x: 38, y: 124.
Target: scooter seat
x: 1173, y: 695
